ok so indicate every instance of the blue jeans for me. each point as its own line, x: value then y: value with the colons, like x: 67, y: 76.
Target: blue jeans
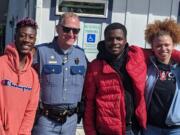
x: 45, y: 126
x: 152, y: 130
x: 132, y: 132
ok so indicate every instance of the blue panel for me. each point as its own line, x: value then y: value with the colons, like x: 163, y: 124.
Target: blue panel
x: 53, y: 15
x: 91, y: 38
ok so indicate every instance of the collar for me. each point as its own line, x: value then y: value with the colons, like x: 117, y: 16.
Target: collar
x: 153, y: 61
x: 59, y: 50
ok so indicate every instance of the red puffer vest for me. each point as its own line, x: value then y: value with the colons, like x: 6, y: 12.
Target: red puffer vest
x: 104, y: 95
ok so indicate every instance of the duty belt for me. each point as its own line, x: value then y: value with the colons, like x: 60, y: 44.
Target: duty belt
x: 58, y: 115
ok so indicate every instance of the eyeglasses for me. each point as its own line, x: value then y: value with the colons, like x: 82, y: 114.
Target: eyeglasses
x: 68, y: 29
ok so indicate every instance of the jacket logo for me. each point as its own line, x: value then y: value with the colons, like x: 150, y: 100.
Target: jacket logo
x: 11, y: 84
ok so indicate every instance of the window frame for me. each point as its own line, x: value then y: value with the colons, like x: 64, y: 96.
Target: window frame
x: 105, y: 2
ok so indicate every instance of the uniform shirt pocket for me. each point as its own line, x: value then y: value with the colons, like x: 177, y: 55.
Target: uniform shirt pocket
x: 77, y: 70
x: 77, y: 73
x: 51, y: 74
x: 52, y: 69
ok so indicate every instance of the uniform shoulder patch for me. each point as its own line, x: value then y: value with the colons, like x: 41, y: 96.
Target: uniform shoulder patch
x: 41, y: 45
x: 44, y: 45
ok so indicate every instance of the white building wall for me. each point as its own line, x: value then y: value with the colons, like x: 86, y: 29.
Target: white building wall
x: 119, y: 11
x: 46, y: 30
x: 136, y: 20
x: 135, y: 15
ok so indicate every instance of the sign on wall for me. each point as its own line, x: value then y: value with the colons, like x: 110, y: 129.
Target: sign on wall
x: 91, y: 37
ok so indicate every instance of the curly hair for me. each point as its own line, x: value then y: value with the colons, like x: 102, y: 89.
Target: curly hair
x: 26, y: 22
x: 160, y: 28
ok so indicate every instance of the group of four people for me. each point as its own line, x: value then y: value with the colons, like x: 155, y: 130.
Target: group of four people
x: 125, y: 89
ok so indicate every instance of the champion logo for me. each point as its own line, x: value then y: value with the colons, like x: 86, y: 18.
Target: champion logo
x: 11, y: 84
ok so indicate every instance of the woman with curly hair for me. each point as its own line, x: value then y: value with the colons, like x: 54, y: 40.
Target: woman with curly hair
x: 163, y: 79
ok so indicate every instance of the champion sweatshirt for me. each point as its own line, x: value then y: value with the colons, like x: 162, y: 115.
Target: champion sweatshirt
x: 19, y: 94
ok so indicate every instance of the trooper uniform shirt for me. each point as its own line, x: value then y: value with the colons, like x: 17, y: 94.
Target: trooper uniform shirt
x: 61, y: 73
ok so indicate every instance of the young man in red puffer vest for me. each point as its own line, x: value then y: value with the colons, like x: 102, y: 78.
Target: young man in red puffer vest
x: 114, y: 87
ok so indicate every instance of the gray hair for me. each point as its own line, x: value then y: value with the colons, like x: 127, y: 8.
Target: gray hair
x: 67, y: 15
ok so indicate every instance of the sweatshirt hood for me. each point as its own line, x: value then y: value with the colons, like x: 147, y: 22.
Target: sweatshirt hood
x: 13, y: 59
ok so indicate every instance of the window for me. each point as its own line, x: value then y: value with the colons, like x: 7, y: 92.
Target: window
x: 86, y: 8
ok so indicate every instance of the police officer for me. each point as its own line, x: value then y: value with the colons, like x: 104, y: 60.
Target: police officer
x: 62, y: 68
